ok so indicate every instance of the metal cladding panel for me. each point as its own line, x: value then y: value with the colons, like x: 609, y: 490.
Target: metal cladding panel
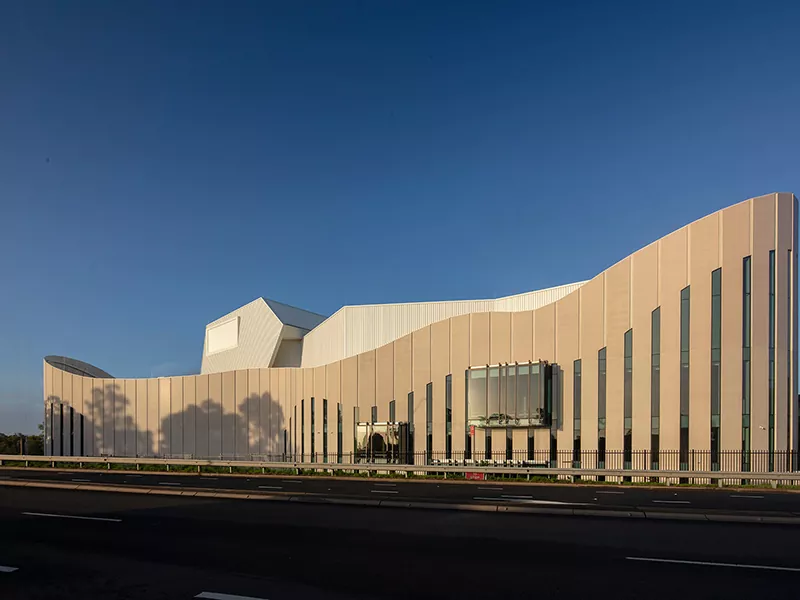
x: 357, y: 329
x: 259, y: 335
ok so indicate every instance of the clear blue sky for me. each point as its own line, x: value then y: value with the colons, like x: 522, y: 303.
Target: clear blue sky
x: 162, y: 163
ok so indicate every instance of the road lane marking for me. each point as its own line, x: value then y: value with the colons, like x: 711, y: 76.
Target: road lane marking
x: 270, y: 487
x: 603, y: 492
x: 711, y: 564
x: 81, y: 480
x: 387, y: 484
x: 671, y: 502
x: 7, y: 569
x: 36, y: 514
x: 218, y: 596
x: 526, y: 501
x: 384, y: 491
x: 491, y: 489
x: 167, y: 483
x: 291, y: 481
x: 517, y: 497
x: 743, y: 496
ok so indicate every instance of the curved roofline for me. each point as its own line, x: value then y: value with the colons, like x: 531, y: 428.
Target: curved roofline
x: 76, y: 367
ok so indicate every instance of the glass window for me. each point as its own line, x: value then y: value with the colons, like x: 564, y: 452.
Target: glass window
x: 493, y: 408
x: 338, y: 432
x: 522, y: 383
x: 411, y: 422
x: 324, y: 430
x: 716, y: 358
x: 448, y: 416
x: 509, y: 412
x: 476, y: 394
x: 302, y: 427
x: 509, y: 444
x: 746, y: 337
x: 374, y: 414
x: 429, y: 419
x: 392, y: 412
x: 684, y: 381
x: 771, y: 372
x: 503, y: 391
x: 655, y: 385
x: 468, y: 412
x: 627, y: 448
x: 488, y: 443
x: 313, y: 450
x: 789, y: 343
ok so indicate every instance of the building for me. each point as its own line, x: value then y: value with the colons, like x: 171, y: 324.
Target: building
x: 681, y: 355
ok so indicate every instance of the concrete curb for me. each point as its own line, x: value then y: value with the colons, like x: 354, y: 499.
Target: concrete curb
x: 498, y: 508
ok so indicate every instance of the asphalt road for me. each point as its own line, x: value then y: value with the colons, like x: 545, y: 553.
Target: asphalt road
x: 137, y: 546
x: 612, y: 497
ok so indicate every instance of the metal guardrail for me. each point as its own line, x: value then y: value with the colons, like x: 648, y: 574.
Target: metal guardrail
x: 718, y: 477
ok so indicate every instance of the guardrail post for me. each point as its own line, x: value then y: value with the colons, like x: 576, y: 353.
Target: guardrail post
x: 108, y: 466
x: 137, y: 466
x: 198, y: 468
x: 168, y: 467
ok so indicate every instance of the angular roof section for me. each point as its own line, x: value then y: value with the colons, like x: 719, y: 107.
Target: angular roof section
x: 291, y: 315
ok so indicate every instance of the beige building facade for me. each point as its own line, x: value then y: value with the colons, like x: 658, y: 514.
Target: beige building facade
x: 681, y: 355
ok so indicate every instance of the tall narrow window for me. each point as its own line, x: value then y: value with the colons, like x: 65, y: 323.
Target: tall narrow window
x: 302, y: 429
x: 356, y: 419
x: 488, y: 443
x: 294, y: 436
x: 601, y: 408
x: 716, y: 366
x: 509, y: 444
x: 324, y: 430
x: 627, y: 423
x: 655, y: 386
x: 789, y: 337
x: 683, y: 457
x: 493, y: 397
x: 429, y: 421
x: 531, y: 447
x: 313, y: 449
x: 285, y: 442
x: 576, y: 414
x: 510, y: 405
x: 373, y: 414
x: 81, y: 438
x: 338, y: 432
x: 746, y: 340
x: 410, y: 456
x: 72, y: 431
x: 448, y: 417
x: 392, y: 412
x: 771, y: 392
x: 552, y: 397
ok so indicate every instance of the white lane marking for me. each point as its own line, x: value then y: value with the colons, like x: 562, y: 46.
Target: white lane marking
x: 603, y: 492
x: 743, y: 496
x: 387, y: 484
x: 167, y: 483
x: 218, y: 596
x: 270, y: 487
x: 384, y: 491
x: 7, y: 569
x: 491, y: 489
x: 525, y: 501
x: 671, y: 502
x: 291, y: 481
x: 81, y: 480
x: 36, y: 514
x: 517, y: 497
x: 711, y: 564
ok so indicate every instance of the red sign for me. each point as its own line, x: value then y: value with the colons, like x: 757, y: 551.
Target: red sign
x: 472, y: 429
x: 475, y: 476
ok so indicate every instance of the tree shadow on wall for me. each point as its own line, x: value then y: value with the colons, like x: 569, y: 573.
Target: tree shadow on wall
x: 205, y: 430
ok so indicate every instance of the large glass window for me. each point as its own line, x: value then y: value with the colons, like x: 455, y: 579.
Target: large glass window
x: 576, y: 414
x: 338, y: 432
x: 429, y: 420
x: 789, y: 337
x: 684, y: 381
x: 655, y: 386
x: 493, y: 408
x: 746, y: 340
x: 313, y: 449
x: 410, y: 426
x: 509, y: 409
x: 716, y: 359
x: 601, y: 408
x: 448, y: 416
x: 468, y: 412
x: 771, y: 391
x: 476, y: 393
x: 522, y: 384
x: 536, y: 405
x: 324, y: 430
x: 627, y: 448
